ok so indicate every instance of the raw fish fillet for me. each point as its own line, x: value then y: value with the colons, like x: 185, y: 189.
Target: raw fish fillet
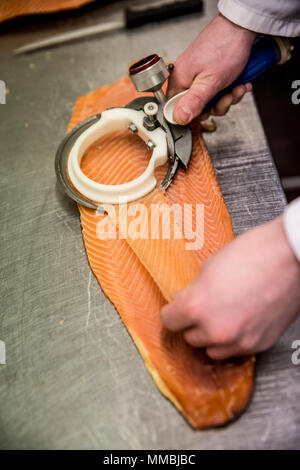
x: 12, y: 8
x: 139, y: 276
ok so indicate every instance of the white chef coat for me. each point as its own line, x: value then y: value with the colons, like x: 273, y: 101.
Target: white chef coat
x: 291, y: 220
x: 276, y: 17
x: 280, y: 18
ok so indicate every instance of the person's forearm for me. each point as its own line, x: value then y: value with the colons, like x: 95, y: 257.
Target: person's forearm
x: 276, y: 17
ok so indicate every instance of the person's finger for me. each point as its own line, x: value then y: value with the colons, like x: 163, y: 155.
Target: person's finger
x: 191, y: 104
x: 219, y: 353
x: 240, y: 91
x: 173, y: 90
x: 227, y: 351
x: 249, y: 87
x: 237, y: 93
x: 180, y: 79
x: 196, y: 337
x: 175, y: 316
x: 174, y: 84
x: 223, y: 105
x: 204, y: 116
x: 237, y: 100
x: 225, y: 102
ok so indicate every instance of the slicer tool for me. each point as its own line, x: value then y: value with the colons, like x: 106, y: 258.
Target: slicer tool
x: 143, y: 116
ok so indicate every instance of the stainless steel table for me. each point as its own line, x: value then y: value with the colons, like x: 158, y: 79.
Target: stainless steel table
x: 73, y: 378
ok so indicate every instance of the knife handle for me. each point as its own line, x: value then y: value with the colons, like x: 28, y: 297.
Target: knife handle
x: 266, y: 52
x: 138, y: 15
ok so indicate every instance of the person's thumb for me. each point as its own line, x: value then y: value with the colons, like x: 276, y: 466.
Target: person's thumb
x: 192, y: 103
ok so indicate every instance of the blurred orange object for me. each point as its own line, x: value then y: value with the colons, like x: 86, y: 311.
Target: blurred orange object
x: 12, y: 8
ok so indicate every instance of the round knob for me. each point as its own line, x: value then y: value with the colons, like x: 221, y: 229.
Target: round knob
x: 151, y: 108
x: 149, y: 73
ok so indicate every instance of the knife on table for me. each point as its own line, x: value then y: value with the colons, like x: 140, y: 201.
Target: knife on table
x: 132, y: 17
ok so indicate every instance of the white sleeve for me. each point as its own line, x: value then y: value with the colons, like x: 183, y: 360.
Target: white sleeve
x: 276, y: 17
x: 291, y: 221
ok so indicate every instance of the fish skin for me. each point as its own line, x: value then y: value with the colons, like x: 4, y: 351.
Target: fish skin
x: 13, y: 8
x: 208, y: 393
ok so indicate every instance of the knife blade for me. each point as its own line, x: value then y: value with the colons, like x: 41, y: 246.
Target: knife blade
x: 132, y: 17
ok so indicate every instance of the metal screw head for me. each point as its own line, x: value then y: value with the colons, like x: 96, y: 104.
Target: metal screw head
x: 132, y: 128
x: 150, y: 145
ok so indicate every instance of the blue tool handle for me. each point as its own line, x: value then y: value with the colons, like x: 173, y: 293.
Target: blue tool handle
x: 265, y: 53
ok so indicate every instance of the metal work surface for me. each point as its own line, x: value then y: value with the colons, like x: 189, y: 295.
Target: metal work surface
x: 73, y: 378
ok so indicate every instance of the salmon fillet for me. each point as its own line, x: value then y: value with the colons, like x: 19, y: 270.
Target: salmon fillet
x: 140, y: 275
x: 12, y: 8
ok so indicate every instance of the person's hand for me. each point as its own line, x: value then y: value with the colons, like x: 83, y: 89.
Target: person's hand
x: 212, y: 62
x: 244, y: 297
